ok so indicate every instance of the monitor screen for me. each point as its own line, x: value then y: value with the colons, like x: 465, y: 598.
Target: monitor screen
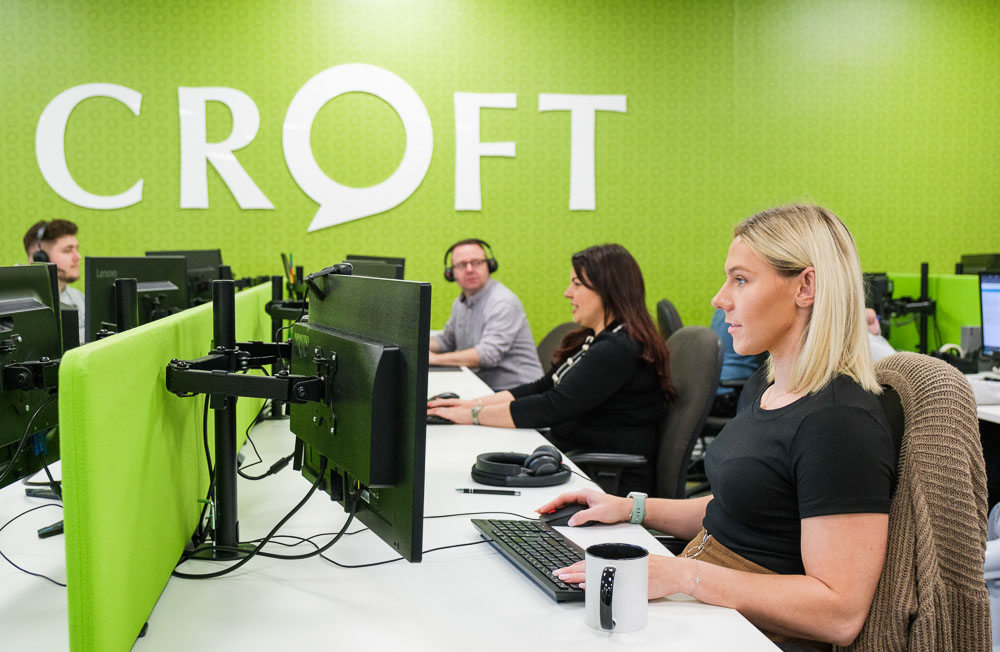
x: 202, y: 268
x: 162, y: 288
x: 369, y: 338
x: 989, y: 302
x: 29, y: 332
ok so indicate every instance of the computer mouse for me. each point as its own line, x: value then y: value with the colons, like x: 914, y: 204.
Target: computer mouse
x: 435, y: 420
x: 442, y: 395
x: 561, y: 516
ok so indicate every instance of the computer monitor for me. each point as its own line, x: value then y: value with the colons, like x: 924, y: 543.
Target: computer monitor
x: 377, y: 266
x: 202, y: 268
x: 989, y: 305
x: 162, y: 288
x: 30, y: 332
x: 369, y: 338
x: 975, y: 263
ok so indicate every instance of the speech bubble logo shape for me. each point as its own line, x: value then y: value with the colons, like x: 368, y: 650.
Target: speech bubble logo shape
x: 339, y: 203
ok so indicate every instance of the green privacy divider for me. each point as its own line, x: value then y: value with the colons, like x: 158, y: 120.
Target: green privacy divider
x: 133, y: 467
x: 957, y: 297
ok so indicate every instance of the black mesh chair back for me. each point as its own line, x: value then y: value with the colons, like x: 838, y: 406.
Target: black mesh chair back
x: 667, y: 318
x: 695, y: 365
x: 551, y: 342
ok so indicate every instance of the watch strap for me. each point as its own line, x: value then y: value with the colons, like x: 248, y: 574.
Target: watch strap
x: 638, y: 507
x: 475, y: 414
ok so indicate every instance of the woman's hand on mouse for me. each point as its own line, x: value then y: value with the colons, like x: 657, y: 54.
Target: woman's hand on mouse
x: 601, y: 507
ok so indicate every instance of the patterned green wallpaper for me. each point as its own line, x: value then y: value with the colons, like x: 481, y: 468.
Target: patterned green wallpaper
x: 887, y: 112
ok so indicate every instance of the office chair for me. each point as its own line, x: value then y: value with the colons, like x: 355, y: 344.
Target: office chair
x: 667, y: 318
x: 551, y: 342
x: 722, y: 411
x: 931, y: 594
x: 695, y: 364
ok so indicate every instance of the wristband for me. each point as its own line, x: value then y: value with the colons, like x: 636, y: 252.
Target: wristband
x: 638, y: 506
x: 475, y: 414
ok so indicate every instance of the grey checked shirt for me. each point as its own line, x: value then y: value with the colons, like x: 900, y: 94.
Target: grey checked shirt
x: 493, y: 321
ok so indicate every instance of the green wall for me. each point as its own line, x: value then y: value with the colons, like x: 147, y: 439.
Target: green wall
x: 886, y: 112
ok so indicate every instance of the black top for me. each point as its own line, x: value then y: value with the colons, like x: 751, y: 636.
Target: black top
x: 827, y: 453
x: 609, y: 401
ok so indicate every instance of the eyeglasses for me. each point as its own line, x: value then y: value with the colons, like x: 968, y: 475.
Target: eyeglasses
x: 469, y: 263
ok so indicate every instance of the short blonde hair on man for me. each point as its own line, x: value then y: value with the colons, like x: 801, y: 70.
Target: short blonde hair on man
x: 835, y: 340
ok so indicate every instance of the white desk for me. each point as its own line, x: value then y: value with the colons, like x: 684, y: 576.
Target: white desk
x: 988, y: 413
x: 985, y: 412
x: 457, y: 599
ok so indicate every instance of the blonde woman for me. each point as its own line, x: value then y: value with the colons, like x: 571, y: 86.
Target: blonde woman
x: 795, y: 535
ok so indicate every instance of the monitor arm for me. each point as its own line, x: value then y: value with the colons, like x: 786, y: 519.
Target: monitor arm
x: 222, y: 372
x: 30, y: 375
x: 221, y: 375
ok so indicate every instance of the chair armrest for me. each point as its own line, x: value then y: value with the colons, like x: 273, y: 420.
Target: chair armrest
x: 734, y: 383
x: 617, y: 460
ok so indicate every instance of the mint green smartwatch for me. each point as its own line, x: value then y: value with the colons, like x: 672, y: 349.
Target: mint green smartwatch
x: 638, y: 506
x: 475, y: 414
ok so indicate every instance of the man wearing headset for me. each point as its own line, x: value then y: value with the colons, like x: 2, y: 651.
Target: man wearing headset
x: 488, y: 329
x: 55, y: 242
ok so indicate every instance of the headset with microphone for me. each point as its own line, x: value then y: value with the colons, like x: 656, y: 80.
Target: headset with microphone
x: 491, y: 260
x: 40, y: 256
x: 542, y: 468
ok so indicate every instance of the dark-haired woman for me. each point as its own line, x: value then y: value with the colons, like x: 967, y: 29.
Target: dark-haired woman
x: 608, y: 391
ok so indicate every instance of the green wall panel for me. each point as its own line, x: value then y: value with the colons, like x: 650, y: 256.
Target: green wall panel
x: 886, y: 112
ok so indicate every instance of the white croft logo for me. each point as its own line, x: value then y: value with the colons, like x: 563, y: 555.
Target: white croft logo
x: 337, y: 203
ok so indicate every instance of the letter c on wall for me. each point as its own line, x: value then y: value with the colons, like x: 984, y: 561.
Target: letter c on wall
x: 339, y: 203
x: 50, y: 149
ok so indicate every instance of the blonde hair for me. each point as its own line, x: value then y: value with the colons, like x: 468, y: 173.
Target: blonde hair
x: 835, y: 340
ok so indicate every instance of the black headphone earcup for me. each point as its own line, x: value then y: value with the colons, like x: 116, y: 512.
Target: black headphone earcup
x: 492, y: 264
x: 40, y: 257
x: 545, y: 460
x: 449, y: 274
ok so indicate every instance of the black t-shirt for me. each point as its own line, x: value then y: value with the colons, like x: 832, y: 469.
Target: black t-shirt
x: 827, y: 453
x: 609, y: 401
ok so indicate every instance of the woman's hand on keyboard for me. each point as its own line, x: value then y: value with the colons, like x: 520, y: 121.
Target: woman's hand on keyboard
x: 601, y: 507
x: 575, y: 574
x: 667, y: 575
x: 452, y: 402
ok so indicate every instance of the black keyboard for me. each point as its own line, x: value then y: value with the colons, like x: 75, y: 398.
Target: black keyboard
x: 536, y: 550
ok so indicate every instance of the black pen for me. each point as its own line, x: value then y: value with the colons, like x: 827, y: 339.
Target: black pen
x: 498, y: 492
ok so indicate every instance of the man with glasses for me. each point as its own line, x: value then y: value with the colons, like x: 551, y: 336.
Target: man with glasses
x: 488, y: 330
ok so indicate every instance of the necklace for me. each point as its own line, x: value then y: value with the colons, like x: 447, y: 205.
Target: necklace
x: 770, y: 399
x: 572, y: 360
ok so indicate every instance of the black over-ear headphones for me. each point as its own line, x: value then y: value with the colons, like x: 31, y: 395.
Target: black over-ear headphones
x: 40, y: 256
x: 543, y: 468
x: 491, y: 260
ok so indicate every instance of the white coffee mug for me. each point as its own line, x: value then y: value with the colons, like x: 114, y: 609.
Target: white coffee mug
x: 617, y: 587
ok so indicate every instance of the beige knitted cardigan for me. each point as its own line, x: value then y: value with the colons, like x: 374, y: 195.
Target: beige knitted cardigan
x: 931, y: 595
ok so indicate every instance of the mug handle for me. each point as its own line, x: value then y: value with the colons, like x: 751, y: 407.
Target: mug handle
x: 607, y: 592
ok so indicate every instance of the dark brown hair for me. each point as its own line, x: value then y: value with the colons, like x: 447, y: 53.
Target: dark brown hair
x: 54, y: 229
x: 611, y: 272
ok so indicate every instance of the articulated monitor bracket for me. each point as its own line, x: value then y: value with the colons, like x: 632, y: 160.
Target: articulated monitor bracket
x: 923, y: 307
x: 30, y: 374
x: 221, y: 375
